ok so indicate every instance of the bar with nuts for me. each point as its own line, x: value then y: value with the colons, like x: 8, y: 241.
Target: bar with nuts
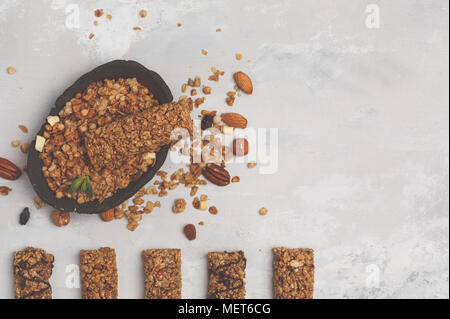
x: 162, y: 270
x: 99, y: 273
x: 144, y: 132
x: 293, y: 273
x: 226, y: 275
x: 32, y: 271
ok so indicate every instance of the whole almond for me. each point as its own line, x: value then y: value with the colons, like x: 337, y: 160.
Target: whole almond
x: 216, y: 174
x: 108, y: 215
x: 8, y: 170
x: 244, y: 82
x: 234, y: 120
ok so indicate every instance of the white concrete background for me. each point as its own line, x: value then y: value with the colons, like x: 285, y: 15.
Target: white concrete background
x: 363, y: 137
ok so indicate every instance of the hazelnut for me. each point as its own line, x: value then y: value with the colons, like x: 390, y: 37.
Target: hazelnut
x: 60, y: 218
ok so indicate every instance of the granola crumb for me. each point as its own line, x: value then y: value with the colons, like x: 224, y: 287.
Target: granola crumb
x: 4, y: 190
x: 179, y: 25
x: 194, y: 190
x: 38, y: 203
x: 91, y: 36
x: 201, y: 223
x: 193, y: 92
x: 213, y: 210
x: 263, y: 211
x: 109, y: 17
x: 236, y: 179
x: 218, y: 30
x: 11, y: 70
x: 96, y: 23
x: 184, y: 88
x: 143, y: 13
x: 23, y: 128
x: 239, y: 56
x: 204, y: 52
x: 98, y: 13
x: 207, y: 90
x: 137, y: 28
x: 196, y: 203
x: 179, y: 206
x: 251, y: 165
x: 15, y: 143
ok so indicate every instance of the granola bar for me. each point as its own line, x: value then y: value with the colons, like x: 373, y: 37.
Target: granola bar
x: 99, y: 273
x: 32, y: 272
x: 162, y: 269
x: 293, y: 273
x: 112, y: 145
x: 226, y: 275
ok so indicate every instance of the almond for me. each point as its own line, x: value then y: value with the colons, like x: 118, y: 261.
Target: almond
x: 244, y: 82
x: 234, y: 120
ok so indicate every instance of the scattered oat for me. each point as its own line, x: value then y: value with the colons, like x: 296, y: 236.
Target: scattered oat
x: 263, y: 211
x: 143, y: 13
x: 197, y: 81
x: 239, y: 56
x: 38, y: 203
x: 193, y: 92
x: 213, y: 210
x: 23, y: 128
x: 184, y: 88
x: 251, y: 165
x: 11, y: 70
x: 15, y: 143
x: 204, y: 52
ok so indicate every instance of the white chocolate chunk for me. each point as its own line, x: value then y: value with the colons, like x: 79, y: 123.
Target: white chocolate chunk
x: 52, y: 120
x: 40, y: 142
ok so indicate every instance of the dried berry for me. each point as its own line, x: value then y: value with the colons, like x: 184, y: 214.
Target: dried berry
x: 190, y: 232
x: 24, y: 216
x: 207, y: 122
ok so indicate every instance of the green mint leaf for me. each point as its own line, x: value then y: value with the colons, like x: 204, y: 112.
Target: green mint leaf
x: 75, y: 185
x: 88, y: 187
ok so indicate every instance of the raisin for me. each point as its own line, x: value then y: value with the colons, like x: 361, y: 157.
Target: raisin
x: 24, y: 216
x: 207, y: 122
x: 190, y: 232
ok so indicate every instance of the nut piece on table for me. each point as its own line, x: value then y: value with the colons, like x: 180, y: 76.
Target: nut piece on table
x: 8, y: 170
x: 4, y: 190
x: 60, y: 219
x: 143, y: 13
x: 108, y: 215
x: 240, y: 147
x: 263, y: 211
x: 190, y: 232
x: 244, y: 82
x: 234, y: 120
x: 216, y: 174
x: 11, y: 70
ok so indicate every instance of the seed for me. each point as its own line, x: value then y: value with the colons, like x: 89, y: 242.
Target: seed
x: 24, y: 216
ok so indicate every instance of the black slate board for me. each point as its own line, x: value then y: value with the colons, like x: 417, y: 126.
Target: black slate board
x: 111, y: 70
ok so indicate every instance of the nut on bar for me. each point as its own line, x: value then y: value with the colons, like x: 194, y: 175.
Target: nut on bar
x: 32, y: 271
x: 162, y: 270
x: 99, y: 273
x: 293, y: 273
x: 226, y: 275
x: 114, y: 144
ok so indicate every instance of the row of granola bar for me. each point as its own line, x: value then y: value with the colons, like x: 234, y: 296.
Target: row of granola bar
x: 293, y: 274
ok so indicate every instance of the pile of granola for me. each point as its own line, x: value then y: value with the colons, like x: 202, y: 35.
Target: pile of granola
x: 64, y: 154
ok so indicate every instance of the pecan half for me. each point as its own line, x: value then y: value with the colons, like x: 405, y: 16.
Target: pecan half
x: 8, y: 170
x: 216, y: 174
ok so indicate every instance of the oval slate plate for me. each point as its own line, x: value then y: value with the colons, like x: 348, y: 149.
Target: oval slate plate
x: 111, y: 70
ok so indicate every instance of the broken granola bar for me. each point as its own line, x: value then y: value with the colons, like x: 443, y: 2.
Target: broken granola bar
x: 113, y: 145
x: 162, y: 269
x: 99, y: 273
x: 293, y: 273
x: 32, y: 272
x: 226, y: 275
